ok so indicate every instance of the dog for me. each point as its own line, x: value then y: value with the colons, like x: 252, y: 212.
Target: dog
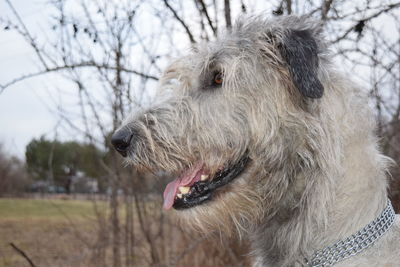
x: 267, y: 138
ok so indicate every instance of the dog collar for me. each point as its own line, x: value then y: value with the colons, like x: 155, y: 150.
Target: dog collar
x: 355, y: 243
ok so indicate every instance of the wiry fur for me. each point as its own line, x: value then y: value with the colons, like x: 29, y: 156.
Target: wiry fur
x: 316, y: 174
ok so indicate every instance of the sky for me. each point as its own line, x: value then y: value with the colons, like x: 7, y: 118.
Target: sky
x: 23, y: 112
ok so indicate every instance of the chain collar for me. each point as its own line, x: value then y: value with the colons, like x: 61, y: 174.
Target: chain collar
x: 355, y: 243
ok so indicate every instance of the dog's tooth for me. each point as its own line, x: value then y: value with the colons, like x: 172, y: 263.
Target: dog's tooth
x: 184, y: 189
x: 179, y: 195
x: 204, y: 177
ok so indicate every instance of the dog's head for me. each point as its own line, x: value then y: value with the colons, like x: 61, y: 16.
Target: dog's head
x: 233, y: 122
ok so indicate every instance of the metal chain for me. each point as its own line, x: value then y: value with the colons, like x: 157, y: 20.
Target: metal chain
x: 355, y: 243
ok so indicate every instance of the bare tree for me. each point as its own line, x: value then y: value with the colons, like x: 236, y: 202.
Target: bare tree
x: 13, y: 177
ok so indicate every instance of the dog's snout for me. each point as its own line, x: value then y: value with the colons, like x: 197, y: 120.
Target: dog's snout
x: 121, y: 140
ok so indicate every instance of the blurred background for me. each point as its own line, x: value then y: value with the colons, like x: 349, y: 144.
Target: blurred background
x: 71, y: 70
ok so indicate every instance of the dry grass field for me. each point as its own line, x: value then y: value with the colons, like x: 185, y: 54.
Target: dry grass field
x: 50, y: 232
x: 55, y: 232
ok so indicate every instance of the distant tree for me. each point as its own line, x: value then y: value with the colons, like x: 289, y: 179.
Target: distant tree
x: 58, y: 162
x: 13, y: 178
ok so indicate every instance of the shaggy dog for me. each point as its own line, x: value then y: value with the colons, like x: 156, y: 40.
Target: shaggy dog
x: 267, y: 137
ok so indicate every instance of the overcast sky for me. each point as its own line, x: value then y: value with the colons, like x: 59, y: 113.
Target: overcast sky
x: 23, y: 114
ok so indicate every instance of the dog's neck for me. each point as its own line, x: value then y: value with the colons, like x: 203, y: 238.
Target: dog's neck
x: 357, y: 197
x: 361, y: 192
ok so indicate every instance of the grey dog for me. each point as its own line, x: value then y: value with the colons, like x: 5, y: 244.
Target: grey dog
x: 268, y: 139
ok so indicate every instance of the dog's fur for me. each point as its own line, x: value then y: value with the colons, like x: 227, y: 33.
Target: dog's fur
x: 316, y: 175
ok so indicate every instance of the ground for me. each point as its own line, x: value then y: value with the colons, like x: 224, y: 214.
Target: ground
x: 64, y: 232
x: 45, y: 230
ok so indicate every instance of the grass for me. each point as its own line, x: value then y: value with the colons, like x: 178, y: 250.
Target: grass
x: 67, y: 233
x: 48, y: 209
x: 48, y: 230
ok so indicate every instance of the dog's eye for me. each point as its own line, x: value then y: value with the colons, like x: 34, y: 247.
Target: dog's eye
x: 218, y: 79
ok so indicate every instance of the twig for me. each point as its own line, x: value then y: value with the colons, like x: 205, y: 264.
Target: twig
x: 23, y: 254
x: 204, y: 10
x: 27, y: 34
x: 326, y: 6
x: 228, y: 14
x: 377, y: 14
x: 289, y: 6
x: 189, y: 33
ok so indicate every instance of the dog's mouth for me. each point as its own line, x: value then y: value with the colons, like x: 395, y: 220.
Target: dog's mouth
x: 195, y: 186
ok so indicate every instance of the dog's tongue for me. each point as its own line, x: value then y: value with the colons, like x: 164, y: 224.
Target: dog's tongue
x: 188, y: 178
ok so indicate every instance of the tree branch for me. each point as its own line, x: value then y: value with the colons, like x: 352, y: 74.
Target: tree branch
x: 326, y: 6
x: 377, y: 14
x: 189, y: 33
x: 73, y: 66
x: 204, y: 10
x: 23, y: 254
x: 228, y: 15
x: 289, y: 6
x: 27, y: 35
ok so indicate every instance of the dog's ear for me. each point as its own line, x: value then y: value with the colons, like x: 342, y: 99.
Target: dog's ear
x: 299, y: 50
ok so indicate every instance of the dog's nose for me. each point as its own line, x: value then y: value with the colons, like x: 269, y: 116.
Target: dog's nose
x: 121, y: 140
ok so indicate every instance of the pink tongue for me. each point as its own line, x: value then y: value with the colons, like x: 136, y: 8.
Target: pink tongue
x: 188, y: 178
